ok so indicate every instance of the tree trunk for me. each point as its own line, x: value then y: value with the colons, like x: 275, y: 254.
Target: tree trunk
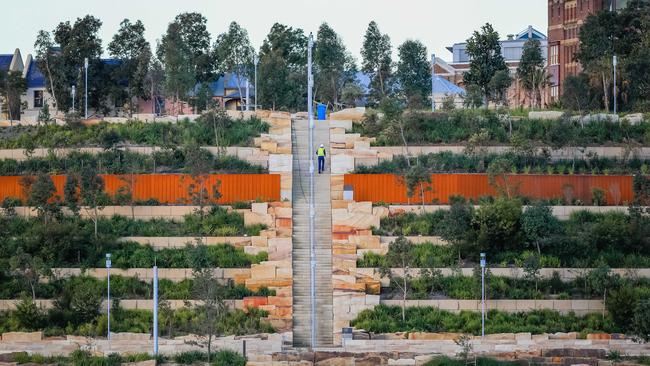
x: 605, y: 92
x: 96, y: 219
x: 404, y: 300
x: 33, y: 286
x: 49, y: 73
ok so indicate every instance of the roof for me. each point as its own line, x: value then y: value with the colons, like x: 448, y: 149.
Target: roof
x: 530, y: 33
x: 5, y: 62
x: 363, y: 80
x: 228, y: 82
x: 443, y: 86
x: 34, y: 76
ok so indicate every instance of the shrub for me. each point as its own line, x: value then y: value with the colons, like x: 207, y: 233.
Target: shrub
x: 641, y: 320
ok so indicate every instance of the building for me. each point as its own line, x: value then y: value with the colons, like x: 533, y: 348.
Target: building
x: 511, y: 50
x: 564, y: 20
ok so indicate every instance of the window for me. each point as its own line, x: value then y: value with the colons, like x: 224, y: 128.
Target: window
x: 554, y: 59
x: 38, y: 98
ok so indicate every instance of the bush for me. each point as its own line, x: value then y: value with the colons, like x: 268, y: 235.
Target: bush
x: 641, y: 320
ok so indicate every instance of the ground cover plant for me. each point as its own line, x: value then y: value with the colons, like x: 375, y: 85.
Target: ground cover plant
x: 14, y: 287
x: 448, y: 162
x: 491, y: 127
x: 207, y: 131
x: 388, y: 319
x: 116, y: 161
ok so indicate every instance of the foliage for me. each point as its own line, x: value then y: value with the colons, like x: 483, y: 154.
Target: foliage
x: 641, y: 320
x: 577, y: 96
x: 334, y: 66
x: 532, y: 61
x: 414, y: 73
x: 234, y: 53
x: 12, y: 86
x: 387, y: 319
x: 484, y: 51
x: 377, y: 62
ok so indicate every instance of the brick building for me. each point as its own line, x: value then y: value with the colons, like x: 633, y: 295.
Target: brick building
x: 564, y: 20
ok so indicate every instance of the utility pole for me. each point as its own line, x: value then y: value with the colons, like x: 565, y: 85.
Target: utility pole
x: 433, y: 81
x: 256, y: 60
x: 86, y: 89
x: 312, y: 211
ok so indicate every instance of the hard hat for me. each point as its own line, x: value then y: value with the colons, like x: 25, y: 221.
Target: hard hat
x: 321, y: 145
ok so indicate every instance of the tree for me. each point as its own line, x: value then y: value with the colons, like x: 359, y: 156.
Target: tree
x: 12, y: 87
x: 211, y: 308
x: 377, y: 62
x: 457, y: 223
x: 352, y: 93
x: 134, y: 52
x: 29, y: 268
x: 415, y: 178
x: 621, y: 305
x: 498, y: 172
x: 498, y: 224
x: 538, y: 225
x: 532, y: 267
x: 576, y: 95
x: 179, y: 74
x: 71, y: 193
x: 484, y: 51
x: 499, y: 85
x: 414, y: 72
x: 44, y: 51
x: 528, y: 71
x: 333, y: 64
x: 40, y: 195
x: 92, y: 194
x: 234, y: 53
x: 473, y: 97
x: 399, y: 252
x: 200, y: 190
x: 282, y: 81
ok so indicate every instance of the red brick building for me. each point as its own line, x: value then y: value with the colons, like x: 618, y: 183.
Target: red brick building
x: 564, y: 20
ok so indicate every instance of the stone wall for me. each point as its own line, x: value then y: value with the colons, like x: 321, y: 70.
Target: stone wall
x: 579, y: 307
x: 128, y: 304
x: 561, y: 212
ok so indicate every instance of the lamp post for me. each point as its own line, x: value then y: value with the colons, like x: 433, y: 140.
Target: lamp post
x: 615, y: 63
x: 73, y: 92
x: 108, y: 297
x: 312, y: 211
x: 155, y: 310
x: 86, y: 88
x: 433, y: 81
x: 256, y: 61
x: 482, y: 294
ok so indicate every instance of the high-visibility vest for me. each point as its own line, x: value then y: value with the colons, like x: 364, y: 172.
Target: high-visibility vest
x: 321, y: 151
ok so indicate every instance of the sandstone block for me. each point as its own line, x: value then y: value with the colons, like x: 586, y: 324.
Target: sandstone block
x: 260, y: 207
x: 22, y: 337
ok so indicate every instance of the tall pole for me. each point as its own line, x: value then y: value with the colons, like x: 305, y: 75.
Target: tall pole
x: 615, y: 62
x: 433, y: 81
x: 86, y: 89
x: 155, y: 310
x: 312, y: 211
x: 108, y: 298
x: 482, y: 294
x: 73, y: 92
x: 256, y: 60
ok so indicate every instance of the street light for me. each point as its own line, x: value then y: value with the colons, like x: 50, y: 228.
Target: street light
x: 615, y: 63
x: 256, y: 61
x: 86, y: 88
x: 482, y: 294
x: 433, y: 81
x: 108, y: 297
x: 155, y: 310
x: 73, y: 92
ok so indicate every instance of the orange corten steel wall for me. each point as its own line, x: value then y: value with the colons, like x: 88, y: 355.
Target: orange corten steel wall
x: 170, y: 188
x: 390, y: 188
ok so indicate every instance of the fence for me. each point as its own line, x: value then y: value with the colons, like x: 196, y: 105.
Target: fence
x: 169, y: 188
x: 390, y: 188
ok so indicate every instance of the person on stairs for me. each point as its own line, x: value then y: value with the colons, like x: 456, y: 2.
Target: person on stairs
x: 321, y: 158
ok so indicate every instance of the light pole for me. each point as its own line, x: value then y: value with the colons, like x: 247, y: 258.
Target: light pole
x: 312, y: 211
x: 155, y: 310
x: 433, y: 81
x: 482, y: 294
x: 615, y: 63
x: 86, y: 89
x: 108, y: 297
x: 73, y: 92
x: 256, y: 61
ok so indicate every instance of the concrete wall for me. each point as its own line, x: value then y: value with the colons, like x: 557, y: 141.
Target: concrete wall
x: 579, y: 307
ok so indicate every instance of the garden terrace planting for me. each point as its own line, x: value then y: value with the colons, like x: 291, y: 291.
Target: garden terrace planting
x: 508, y: 233
x: 448, y: 162
x: 81, y: 316
x: 388, y: 319
x: 490, y: 127
x: 131, y: 288
x: 204, y: 131
x: 171, y: 160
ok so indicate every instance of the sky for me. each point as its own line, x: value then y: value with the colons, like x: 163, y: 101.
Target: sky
x: 435, y: 23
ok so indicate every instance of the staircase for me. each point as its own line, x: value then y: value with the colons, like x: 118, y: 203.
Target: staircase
x: 323, y: 238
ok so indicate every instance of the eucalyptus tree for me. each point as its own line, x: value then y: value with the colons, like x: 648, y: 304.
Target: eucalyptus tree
x: 377, y: 62
x: 234, y: 53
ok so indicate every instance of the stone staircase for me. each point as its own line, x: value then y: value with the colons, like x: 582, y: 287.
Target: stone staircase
x: 301, y: 245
